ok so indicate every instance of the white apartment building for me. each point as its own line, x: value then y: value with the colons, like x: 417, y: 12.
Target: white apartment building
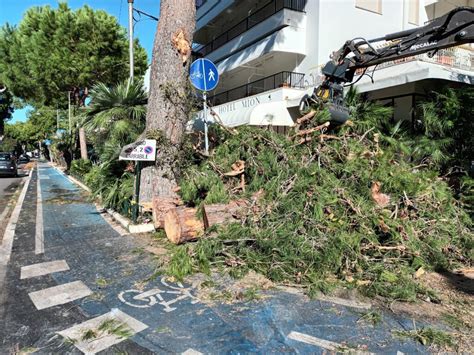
x: 269, y: 53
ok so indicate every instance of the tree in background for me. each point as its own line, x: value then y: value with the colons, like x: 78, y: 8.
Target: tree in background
x: 56, y: 51
x: 40, y: 125
x: 6, y: 107
x: 168, y: 104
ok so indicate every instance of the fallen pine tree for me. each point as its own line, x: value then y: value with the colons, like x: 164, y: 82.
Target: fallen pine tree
x: 354, y: 208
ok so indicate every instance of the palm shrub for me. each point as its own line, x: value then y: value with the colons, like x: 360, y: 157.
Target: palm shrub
x: 114, y: 118
x: 80, y: 167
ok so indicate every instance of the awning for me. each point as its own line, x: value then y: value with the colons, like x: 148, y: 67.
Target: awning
x: 272, y: 108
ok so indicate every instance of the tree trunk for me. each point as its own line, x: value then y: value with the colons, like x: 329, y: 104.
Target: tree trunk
x: 182, y: 225
x: 168, y: 104
x: 222, y: 213
x: 82, y: 143
x: 161, y: 206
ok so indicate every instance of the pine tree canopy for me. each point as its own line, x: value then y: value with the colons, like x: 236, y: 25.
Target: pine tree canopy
x: 53, y: 51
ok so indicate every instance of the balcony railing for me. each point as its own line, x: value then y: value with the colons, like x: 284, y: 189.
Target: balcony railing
x: 258, y: 16
x: 280, y: 80
x: 456, y: 57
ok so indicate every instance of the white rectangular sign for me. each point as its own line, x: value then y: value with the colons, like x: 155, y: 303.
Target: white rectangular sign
x: 144, y: 150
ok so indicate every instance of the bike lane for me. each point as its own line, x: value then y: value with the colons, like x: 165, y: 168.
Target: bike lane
x: 171, y: 319
x: 115, y: 270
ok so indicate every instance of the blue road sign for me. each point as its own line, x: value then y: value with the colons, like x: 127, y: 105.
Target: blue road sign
x: 204, y: 75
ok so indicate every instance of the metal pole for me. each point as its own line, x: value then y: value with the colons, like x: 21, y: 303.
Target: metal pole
x: 135, y: 206
x: 69, y: 110
x: 57, y: 120
x: 130, y: 36
x: 206, y: 138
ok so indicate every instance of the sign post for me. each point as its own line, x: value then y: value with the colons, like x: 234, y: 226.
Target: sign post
x: 204, y: 77
x: 144, y: 150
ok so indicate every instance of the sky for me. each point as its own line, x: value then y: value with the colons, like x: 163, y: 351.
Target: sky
x: 12, y: 11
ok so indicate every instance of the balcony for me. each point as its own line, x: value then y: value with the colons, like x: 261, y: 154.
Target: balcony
x: 257, y: 17
x: 456, y: 57
x: 283, y: 79
x: 450, y: 64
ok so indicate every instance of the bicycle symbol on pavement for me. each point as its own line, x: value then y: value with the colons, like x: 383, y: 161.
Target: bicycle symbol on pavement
x: 139, y: 299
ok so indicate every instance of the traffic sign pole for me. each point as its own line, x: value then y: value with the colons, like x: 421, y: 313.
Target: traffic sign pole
x: 136, y: 197
x: 204, y: 77
x: 206, y: 137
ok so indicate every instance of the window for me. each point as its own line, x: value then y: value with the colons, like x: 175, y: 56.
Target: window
x: 370, y: 5
x: 413, y: 12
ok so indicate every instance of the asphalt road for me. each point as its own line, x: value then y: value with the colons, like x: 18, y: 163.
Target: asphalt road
x: 8, y: 187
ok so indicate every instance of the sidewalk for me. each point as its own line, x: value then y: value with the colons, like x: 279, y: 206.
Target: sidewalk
x: 73, y: 271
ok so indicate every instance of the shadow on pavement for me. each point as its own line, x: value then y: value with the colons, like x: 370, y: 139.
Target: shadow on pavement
x: 459, y: 281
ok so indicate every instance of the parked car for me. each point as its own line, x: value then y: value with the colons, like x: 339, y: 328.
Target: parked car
x: 24, y: 159
x: 8, y: 164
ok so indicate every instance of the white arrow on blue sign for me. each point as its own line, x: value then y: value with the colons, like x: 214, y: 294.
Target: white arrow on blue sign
x: 203, y: 75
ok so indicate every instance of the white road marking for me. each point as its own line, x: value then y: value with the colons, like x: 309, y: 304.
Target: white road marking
x: 344, y: 302
x: 44, y: 177
x: 104, y: 339
x: 60, y: 294
x: 39, y: 235
x: 322, y: 343
x: 43, y: 269
x: 191, y: 352
x: 6, y: 248
x: 308, y: 339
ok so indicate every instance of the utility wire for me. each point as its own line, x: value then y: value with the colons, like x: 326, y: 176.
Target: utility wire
x: 140, y: 12
x: 120, y: 11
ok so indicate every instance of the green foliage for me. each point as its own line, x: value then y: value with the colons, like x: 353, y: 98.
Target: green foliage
x: 111, y: 183
x: 6, y: 106
x: 40, y: 125
x: 181, y: 264
x: 8, y: 144
x: 372, y: 317
x: 202, y: 185
x: 317, y: 223
x: 80, y: 167
x: 56, y: 50
x: 115, y: 117
x: 428, y: 336
x: 443, y: 138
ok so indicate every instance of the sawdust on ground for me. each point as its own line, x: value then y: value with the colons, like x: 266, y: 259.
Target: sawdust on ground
x: 454, y: 302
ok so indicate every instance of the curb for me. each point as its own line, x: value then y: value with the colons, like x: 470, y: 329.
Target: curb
x: 6, y: 243
x: 77, y: 182
x: 123, y: 221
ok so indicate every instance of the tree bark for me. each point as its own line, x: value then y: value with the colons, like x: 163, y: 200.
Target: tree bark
x: 83, y: 143
x: 222, y: 213
x: 168, y: 104
x: 182, y: 225
x: 161, y: 206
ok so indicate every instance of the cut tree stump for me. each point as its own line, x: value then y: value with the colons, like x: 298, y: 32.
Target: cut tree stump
x: 161, y: 206
x: 181, y: 225
x: 222, y: 213
x: 218, y: 214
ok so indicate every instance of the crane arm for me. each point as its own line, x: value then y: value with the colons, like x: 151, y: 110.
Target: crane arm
x: 453, y: 29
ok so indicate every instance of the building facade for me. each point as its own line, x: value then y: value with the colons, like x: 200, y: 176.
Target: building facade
x: 270, y: 52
